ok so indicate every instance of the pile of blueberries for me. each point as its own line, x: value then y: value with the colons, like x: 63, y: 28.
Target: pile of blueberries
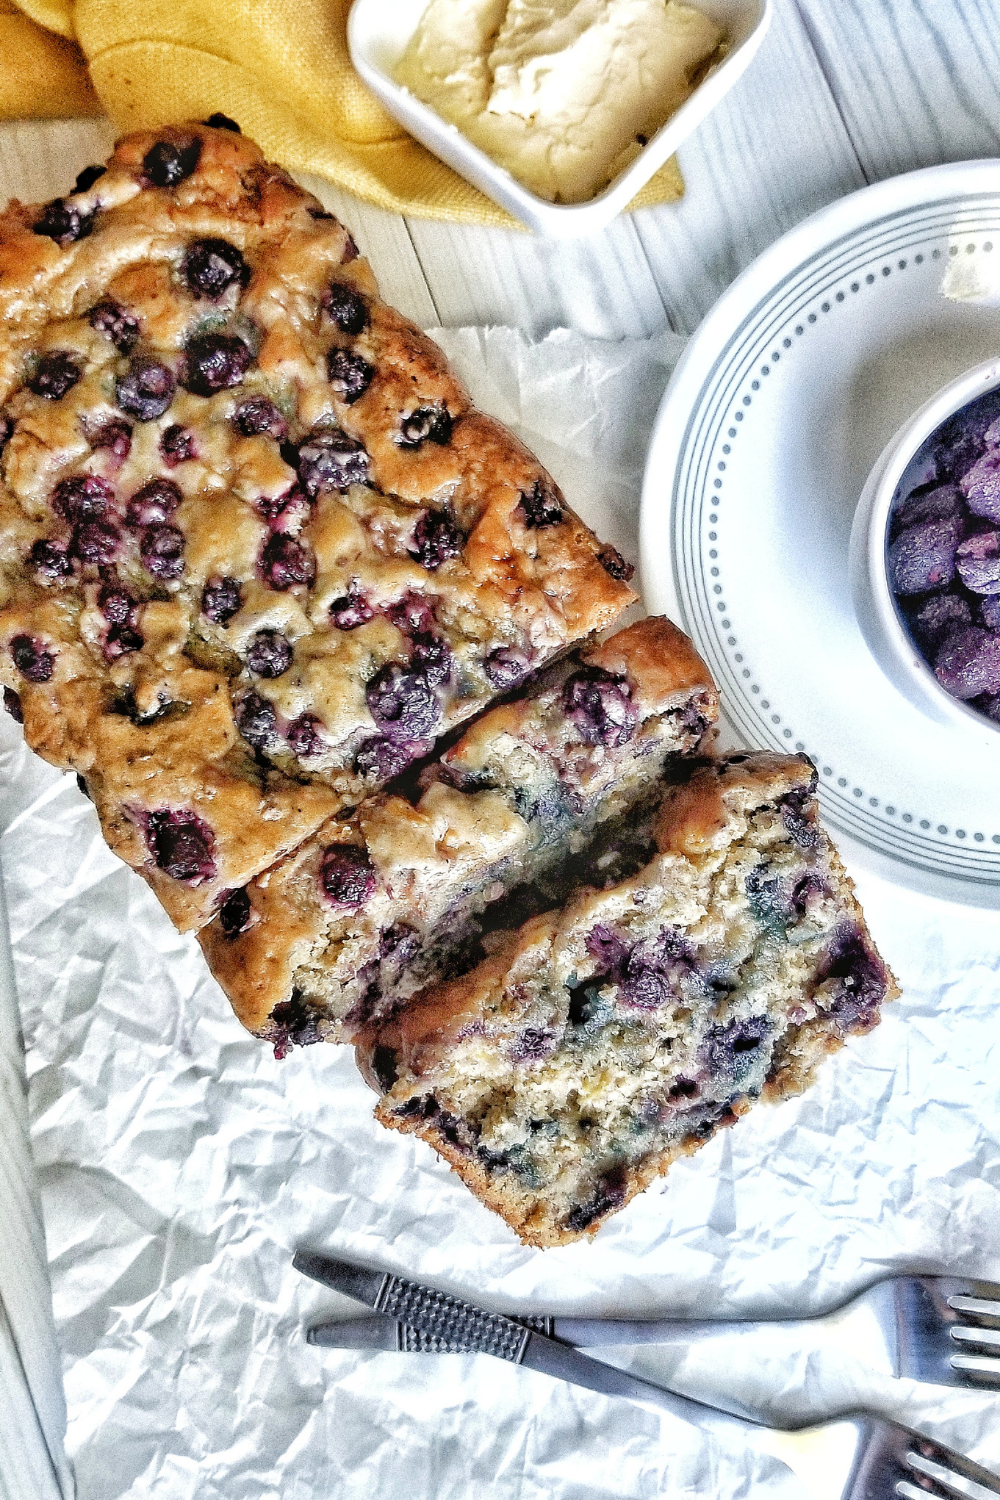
x: 944, y: 554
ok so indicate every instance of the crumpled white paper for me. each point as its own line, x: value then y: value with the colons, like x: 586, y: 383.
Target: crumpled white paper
x: 180, y: 1166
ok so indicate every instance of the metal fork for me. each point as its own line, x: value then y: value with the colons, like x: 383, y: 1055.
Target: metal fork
x: 877, y: 1459
x: 925, y: 1326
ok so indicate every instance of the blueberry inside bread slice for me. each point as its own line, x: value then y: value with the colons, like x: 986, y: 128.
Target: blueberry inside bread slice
x: 373, y: 909
x: 600, y: 1041
x: 230, y: 474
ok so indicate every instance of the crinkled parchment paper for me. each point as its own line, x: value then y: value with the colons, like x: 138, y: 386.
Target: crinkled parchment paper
x: 180, y: 1165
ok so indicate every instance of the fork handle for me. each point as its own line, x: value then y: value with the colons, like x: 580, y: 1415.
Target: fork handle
x: 588, y: 1333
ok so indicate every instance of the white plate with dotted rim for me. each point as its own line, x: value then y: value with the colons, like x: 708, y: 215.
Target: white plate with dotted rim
x: 781, y: 404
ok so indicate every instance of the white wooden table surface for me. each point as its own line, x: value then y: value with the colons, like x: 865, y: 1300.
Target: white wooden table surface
x: 842, y: 93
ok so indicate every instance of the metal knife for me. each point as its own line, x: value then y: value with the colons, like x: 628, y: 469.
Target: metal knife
x: 584, y: 1333
x: 461, y: 1327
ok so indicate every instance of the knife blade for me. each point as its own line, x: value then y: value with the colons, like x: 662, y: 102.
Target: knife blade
x: 465, y: 1328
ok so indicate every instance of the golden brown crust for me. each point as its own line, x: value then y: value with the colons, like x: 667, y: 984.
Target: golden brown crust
x: 696, y: 816
x: 658, y: 657
x: 298, y: 308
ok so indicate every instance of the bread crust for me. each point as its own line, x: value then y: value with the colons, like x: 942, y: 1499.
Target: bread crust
x: 363, y: 489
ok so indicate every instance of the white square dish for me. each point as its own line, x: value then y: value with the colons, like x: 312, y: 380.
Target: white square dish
x: 378, y: 32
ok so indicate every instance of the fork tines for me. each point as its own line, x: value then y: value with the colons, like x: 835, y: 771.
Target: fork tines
x: 978, y: 1366
x: 937, y: 1478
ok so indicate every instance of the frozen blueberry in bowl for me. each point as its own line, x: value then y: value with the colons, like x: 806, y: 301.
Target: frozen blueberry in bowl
x: 977, y: 561
x: 922, y: 557
x: 980, y: 486
x: 967, y: 663
x: 928, y: 502
x: 925, y: 555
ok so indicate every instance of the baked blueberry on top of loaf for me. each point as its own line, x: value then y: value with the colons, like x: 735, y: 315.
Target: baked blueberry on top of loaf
x: 248, y: 513
x: 371, y: 910
x: 602, y: 1040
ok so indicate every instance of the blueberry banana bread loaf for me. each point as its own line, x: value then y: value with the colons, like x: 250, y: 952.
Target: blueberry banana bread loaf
x: 370, y: 910
x: 602, y: 1040
x: 240, y: 493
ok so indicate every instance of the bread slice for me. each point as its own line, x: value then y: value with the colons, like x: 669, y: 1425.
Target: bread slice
x: 371, y: 910
x: 602, y: 1040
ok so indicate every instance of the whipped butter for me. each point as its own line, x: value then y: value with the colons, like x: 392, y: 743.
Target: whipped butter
x: 562, y: 93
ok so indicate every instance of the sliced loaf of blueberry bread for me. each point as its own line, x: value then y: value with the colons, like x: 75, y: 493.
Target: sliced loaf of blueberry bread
x: 600, y: 1041
x: 372, y: 909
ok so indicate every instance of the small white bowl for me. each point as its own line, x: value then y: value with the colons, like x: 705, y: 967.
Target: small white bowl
x: 878, y: 614
x: 378, y: 32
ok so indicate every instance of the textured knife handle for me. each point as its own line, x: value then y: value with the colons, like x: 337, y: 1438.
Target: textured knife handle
x: 458, y: 1327
x: 415, y: 1341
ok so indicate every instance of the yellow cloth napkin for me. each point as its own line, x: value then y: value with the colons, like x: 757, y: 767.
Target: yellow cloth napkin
x: 279, y: 67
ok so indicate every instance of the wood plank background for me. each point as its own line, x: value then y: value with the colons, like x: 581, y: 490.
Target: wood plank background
x: 842, y: 93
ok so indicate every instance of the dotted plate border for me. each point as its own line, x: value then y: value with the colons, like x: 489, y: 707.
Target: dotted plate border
x: 849, y: 267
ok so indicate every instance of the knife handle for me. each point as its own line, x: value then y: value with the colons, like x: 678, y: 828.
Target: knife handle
x: 446, y: 1319
x: 380, y: 1333
x: 450, y: 1322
